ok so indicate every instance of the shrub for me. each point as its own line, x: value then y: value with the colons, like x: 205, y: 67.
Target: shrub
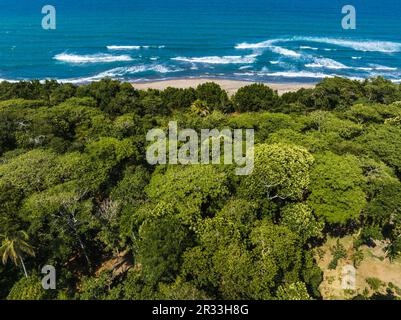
x: 27, y: 289
x: 255, y: 97
x: 374, y: 283
x: 215, y: 97
x: 338, y: 251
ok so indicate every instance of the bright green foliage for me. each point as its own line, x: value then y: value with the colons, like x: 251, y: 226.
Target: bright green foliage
x: 383, y: 143
x: 264, y: 123
x: 313, y: 141
x: 338, y: 252
x: 224, y: 263
x: 190, y: 188
x: 14, y: 247
x: 293, y: 291
x: 180, y: 290
x: 326, y: 122
x: 300, y: 220
x: 27, y: 289
x: 383, y: 192
x: 279, y: 246
x: 280, y: 171
x: 32, y: 171
x: 337, y: 188
x: 396, y: 121
x: 200, y: 108
x: 364, y: 114
x: 96, y: 288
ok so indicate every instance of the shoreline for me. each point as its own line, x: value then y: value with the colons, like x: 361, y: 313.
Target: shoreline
x: 231, y: 86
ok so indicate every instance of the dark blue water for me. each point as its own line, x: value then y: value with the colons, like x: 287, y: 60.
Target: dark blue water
x: 265, y: 40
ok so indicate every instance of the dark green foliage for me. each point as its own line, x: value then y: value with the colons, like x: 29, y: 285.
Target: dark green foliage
x: 370, y: 233
x: 255, y: 97
x: 178, y: 99
x: 215, y: 97
x: 152, y: 104
x: 338, y: 252
x: 374, y: 283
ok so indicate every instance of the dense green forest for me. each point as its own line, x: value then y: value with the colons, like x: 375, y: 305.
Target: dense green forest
x: 77, y: 193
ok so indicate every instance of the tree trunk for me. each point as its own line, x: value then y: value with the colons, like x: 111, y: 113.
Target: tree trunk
x: 84, y: 251
x: 23, y: 266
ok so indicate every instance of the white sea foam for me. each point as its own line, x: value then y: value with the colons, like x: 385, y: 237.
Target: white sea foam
x: 91, y: 58
x: 219, y: 60
x: 297, y: 74
x: 305, y: 74
x: 258, y: 45
x: 127, y: 48
x: 121, y: 72
x: 308, y: 48
x: 121, y: 48
x: 285, y: 52
x: 270, y: 45
x: 359, y: 45
x: 241, y: 74
x: 326, y: 63
x: 364, y: 68
x: 9, y: 80
x: 382, y: 68
x: 146, y: 68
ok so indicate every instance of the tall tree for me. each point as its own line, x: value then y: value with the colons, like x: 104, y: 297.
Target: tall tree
x: 14, y: 247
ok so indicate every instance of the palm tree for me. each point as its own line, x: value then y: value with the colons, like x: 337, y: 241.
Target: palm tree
x: 200, y: 108
x: 14, y: 246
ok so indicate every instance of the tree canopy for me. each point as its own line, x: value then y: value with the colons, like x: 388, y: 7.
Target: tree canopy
x: 76, y: 191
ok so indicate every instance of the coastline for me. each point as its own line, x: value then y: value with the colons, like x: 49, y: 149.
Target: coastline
x: 231, y: 86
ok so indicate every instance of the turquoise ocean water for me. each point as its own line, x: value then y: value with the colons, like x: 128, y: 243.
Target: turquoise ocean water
x: 139, y: 40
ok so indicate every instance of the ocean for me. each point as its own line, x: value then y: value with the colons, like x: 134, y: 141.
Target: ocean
x: 147, y: 40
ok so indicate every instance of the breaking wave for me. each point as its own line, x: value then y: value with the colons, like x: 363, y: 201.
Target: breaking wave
x: 128, y: 48
x: 358, y: 45
x: 91, y: 58
x: 219, y: 60
x: 123, y: 72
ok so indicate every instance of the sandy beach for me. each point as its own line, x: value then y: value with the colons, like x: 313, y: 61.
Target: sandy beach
x: 231, y: 86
